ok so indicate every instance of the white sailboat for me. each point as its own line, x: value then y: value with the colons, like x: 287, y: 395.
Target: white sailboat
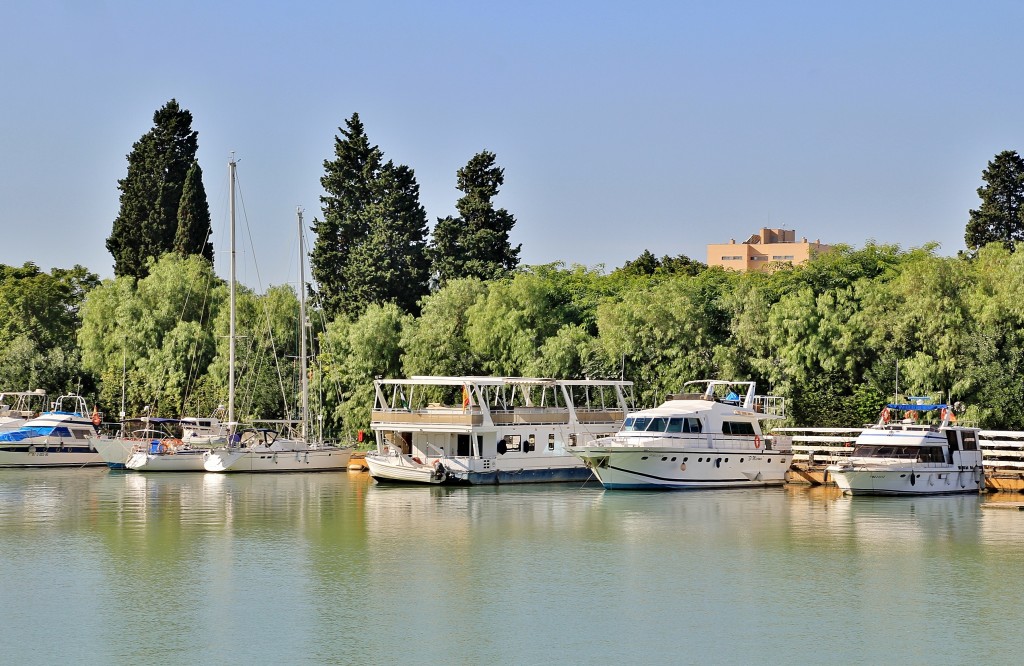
x: 261, y: 449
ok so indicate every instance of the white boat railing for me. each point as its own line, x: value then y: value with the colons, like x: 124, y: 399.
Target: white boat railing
x: 770, y: 405
x: 1002, y: 448
x: 821, y: 446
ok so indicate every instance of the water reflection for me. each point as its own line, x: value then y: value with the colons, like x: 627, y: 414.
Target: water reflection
x: 295, y: 567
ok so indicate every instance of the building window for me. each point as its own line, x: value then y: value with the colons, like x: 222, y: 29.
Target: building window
x: 736, y: 258
x: 783, y: 257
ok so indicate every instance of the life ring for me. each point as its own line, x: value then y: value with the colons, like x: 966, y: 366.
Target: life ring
x: 96, y: 420
x: 163, y: 448
x: 912, y: 415
x: 757, y: 441
x: 885, y: 415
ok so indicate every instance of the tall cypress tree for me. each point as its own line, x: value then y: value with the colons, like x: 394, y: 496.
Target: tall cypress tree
x: 1001, y: 214
x: 475, y: 244
x: 371, y: 243
x: 147, y: 221
x: 194, y: 227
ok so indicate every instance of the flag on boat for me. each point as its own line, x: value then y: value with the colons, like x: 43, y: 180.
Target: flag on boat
x: 465, y: 396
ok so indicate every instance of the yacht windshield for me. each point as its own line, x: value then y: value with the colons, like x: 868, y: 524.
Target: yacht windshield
x: 912, y: 453
x: 34, y: 431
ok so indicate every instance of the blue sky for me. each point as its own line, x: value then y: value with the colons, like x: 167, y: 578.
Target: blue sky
x: 620, y: 126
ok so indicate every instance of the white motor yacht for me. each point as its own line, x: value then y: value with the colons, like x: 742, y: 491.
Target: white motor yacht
x: 914, y: 449
x: 707, y: 436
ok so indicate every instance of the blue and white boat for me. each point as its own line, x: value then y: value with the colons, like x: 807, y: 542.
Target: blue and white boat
x: 56, y: 438
x: 914, y: 449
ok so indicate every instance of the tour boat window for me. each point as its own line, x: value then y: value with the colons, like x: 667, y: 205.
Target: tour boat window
x: 531, y: 444
x: 513, y: 443
x: 551, y: 441
x: 693, y: 425
x: 675, y: 424
x: 970, y: 440
x: 664, y: 458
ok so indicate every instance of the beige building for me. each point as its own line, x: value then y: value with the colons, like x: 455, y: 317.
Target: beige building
x: 763, y: 249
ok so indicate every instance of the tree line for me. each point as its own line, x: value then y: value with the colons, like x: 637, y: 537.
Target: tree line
x: 835, y: 336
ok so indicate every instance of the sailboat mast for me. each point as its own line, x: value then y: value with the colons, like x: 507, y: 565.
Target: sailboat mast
x: 231, y: 302
x: 302, y: 325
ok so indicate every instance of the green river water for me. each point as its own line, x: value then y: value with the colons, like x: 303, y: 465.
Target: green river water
x: 103, y: 567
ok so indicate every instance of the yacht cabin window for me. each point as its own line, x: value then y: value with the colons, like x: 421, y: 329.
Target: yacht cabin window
x: 738, y: 428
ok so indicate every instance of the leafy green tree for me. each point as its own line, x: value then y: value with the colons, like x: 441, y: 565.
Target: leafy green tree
x: 354, y: 353
x: 194, y: 228
x: 39, y: 318
x: 147, y: 221
x: 436, y: 342
x: 1000, y: 218
x: 153, y: 338
x: 667, y: 333
x: 508, y: 326
x: 371, y: 243
x: 476, y: 243
x: 648, y: 264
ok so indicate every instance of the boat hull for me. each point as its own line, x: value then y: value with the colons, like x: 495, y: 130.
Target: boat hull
x: 182, y: 461
x: 391, y: 469
x: 685, y: 469
x: 42, y: 456
x: 907, y: 481
x: 114, y: 451
x: 460, y: 472
x: 268, y: 460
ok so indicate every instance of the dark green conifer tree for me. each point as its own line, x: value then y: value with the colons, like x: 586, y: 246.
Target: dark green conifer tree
x: 194, y: 227
x: 147, y: 222
x: 476, y: 243
x: 1001, y: 214
x: 371, y: 243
